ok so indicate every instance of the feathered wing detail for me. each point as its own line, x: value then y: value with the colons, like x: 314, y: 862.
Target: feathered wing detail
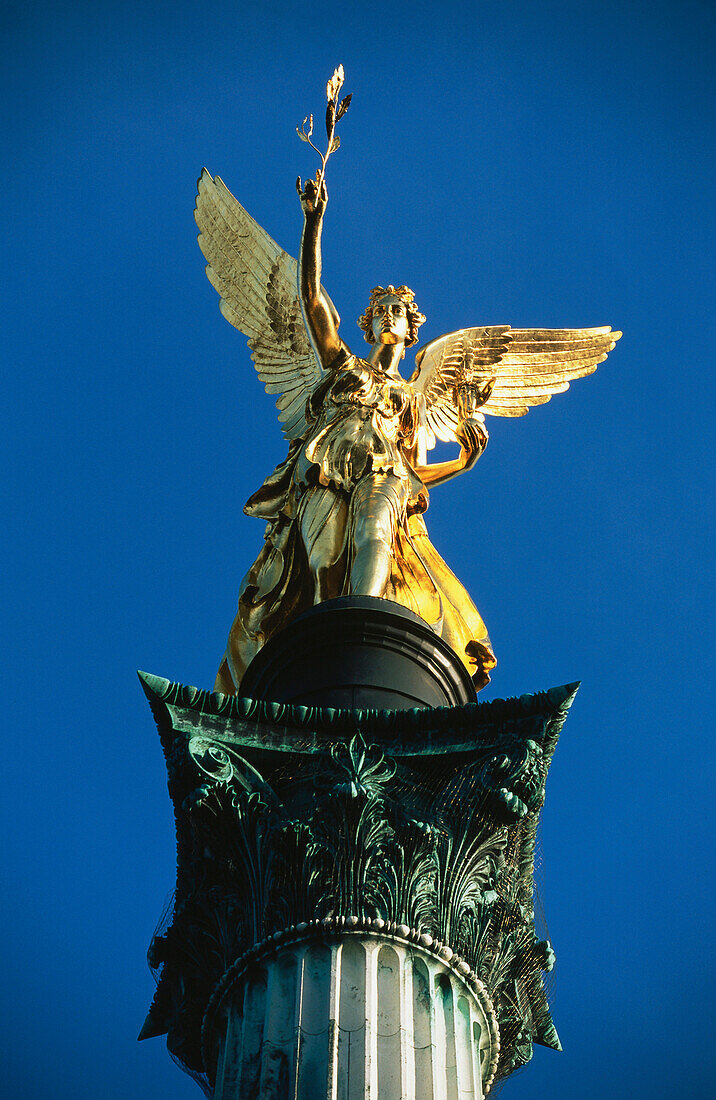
x: 528, y: 365
x: 443, y: 362
x: 257, y: 282
x: 541, y: 362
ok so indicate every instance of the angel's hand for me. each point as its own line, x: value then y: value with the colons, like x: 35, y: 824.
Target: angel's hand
x: 484, y: 392
x: 313, y: 203
x: 471, y: 434
x: 470, y: 396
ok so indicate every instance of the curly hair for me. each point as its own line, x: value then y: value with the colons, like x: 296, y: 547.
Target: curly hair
x: 415, y: 317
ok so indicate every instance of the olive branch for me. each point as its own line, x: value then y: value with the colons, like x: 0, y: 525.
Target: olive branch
x: 334, y: 111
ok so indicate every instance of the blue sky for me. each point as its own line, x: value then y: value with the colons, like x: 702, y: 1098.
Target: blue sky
x: 532, y: 164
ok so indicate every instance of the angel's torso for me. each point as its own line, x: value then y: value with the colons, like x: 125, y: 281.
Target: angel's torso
x: 364, y: 420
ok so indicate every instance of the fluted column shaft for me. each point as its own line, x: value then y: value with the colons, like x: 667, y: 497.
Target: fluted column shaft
x: 361, y: 1017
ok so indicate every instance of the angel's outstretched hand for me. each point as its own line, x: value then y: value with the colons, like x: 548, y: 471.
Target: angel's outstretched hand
x: 471, y: 434
x: 313, y: 203
x: 470, y: 396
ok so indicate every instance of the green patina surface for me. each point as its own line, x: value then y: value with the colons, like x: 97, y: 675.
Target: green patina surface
x: 287, y: 814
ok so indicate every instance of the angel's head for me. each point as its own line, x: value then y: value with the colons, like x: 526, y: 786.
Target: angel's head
x: 392, y: 316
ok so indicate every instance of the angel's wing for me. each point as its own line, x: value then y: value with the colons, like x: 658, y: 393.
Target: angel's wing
x: 442, y: 363
x: 528, y: 365
x: 540, y: 362
x: 257, y: 283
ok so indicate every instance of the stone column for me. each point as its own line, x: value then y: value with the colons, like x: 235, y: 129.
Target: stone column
x: 336, y: 1011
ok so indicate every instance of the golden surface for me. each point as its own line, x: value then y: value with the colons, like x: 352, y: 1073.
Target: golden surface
x: 344, y: 509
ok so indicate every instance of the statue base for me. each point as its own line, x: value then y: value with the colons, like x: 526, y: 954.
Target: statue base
x: 359, y: 651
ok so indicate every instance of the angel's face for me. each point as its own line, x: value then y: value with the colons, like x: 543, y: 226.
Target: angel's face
x: 390, y: 320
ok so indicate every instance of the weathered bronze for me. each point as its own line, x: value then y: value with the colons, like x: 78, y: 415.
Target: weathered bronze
x: 299, y: 825
x: 344, y: 509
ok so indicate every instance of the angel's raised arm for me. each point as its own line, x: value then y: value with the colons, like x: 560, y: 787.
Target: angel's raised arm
x: 320, y: 315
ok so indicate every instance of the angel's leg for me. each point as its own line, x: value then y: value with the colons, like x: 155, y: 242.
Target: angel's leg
x: 324, y: 519
x: 377, y: 506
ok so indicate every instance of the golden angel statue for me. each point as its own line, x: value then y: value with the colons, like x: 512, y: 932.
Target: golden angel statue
x: 344, y: 510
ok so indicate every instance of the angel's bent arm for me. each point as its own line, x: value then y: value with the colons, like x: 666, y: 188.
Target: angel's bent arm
x: 320, y: 317
x: 473, y: 440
